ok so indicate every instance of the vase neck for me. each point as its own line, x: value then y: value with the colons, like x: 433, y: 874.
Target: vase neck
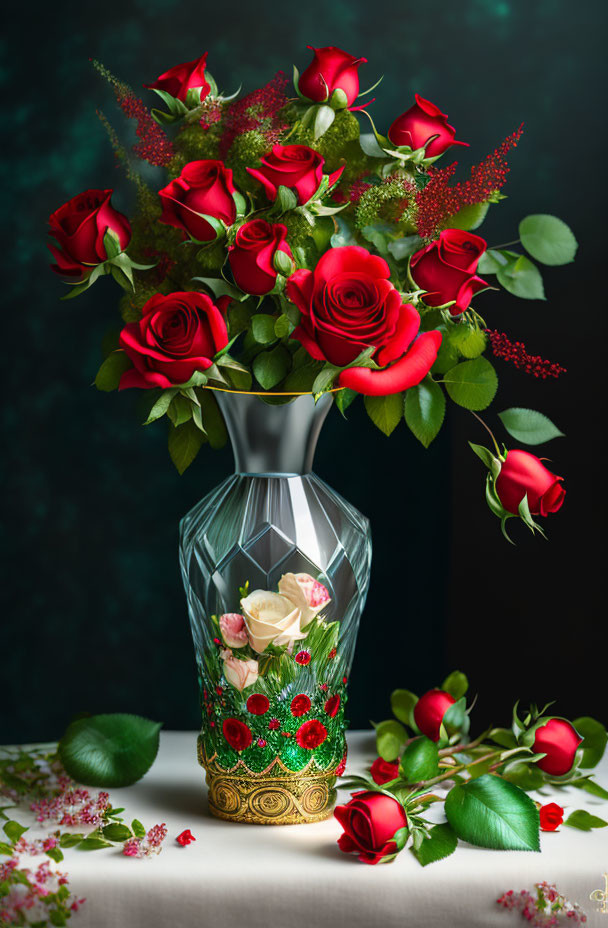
x: 269, y: 440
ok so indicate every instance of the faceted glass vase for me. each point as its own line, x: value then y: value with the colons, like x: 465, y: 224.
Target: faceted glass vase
x: 272, y: 739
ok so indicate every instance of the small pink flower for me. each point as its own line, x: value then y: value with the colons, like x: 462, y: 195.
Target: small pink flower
x: 233, y: 629
x: 132, y: 847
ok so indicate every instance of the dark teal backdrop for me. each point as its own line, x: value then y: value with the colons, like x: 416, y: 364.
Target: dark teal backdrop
x: 94, y: 615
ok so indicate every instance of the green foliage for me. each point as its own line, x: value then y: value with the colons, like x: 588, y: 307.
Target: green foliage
x: 469, y: 217
x: 440, y: 842
x: 548, y: 239
x: 528, y: 426
x: 381, y: 203
x: 245, y: 152
x: 390, y: 738
x: 262, y: 327
x: 472, y: 384
x: 270, y: 367
x: 584, y: 820
x: 594, y: 738
x: 109, y: 374
x: 420, y: 760
x: 185, y: 442
x: 109, y: 750
x: 521, y: 278
x: 13, y: 831
x: 456, y: 684
x: 425, y: 410
x: 526, y: 776
x: 194, y: 143
x: 491, y: 812
x: 117, y: 832
x: 138, y: 829
x: 213, y: 421
x: 403, y: 703
x: 385, y: 411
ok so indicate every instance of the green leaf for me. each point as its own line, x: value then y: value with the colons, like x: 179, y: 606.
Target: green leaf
x: 590, y: 786
x: 111, y: 243
x: 504, y: 737
x: 286, y: 199
x: 323, y: 120
x: 390, y: 738
x: 456, y: 684
x: 70, y: 840
x: 302, y: 378
x: 484, y: 454
x: 584, y: 820
x: 112, y: 369
x: 402, y: 704
x: 425, y: 410
x: 325, y: 378
x: 184, y: 444
x: 282, y: 263
x: 420, y: 760
x: 594, y: 738
x: 522, y: 278
x: 283, y: 326
x: 440, y: 843
x: 138, y: 829
x: 548, y: 239
x: 109, y: 750
x: 370, y: 147
x: 402, y: 248
x: 213, y: 420
x: 262, y: 327
x: 55, y: 854
x: 161, y: 405
x: 469, y: 340
x: 491, y: 262
x: 58, y: 918
x: 472, y: 384
x: 456, y: 717
x: 93, y: 844
x: 220, y: 287
x: 469, y: 217
x: 180, y: 410
x: 13, y: 830
x: 528, y: 426
x: 270, y: 367
x: 116, y: 832
x: 385, y: 411
x: 491, y: 812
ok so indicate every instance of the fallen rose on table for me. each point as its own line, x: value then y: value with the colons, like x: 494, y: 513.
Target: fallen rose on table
x: 427, y: 745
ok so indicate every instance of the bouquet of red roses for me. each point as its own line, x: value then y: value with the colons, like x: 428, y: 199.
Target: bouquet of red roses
x: 287, y: 252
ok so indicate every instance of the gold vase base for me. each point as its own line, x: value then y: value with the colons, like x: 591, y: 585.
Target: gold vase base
x: 263, y: 799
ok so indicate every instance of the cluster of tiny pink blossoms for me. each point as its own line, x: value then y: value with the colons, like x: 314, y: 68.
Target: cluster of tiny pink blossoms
x: 74, y: 805
x: 36, y: 895
x: 544, y: 908
x: 144, y: 847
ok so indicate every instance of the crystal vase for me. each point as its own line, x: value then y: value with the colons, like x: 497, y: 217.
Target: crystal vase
x: 276, y: 569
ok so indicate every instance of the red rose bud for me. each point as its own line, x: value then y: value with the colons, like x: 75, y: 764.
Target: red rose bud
x: 382, y: 771
x: 420, y: 123
x: 184, y: 77
x: 251, y: 257
x: 330, y: 70
x: 559, y: 740
x: 237, y: 734
x: 295, y: 166
x: 522, y: 473
x: 178, y: 334
x: 370, y: 821
x: 430, y: 710
x: 204, y: 188
x: 447, y: 269
x: 79, y: 226
x: 348, y: 304
x: 551, y: 816
x: 185, y: 838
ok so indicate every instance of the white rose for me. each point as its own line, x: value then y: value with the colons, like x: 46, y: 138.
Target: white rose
x: 240, y: 674
x: 306, y: 593
x: 271, y: 619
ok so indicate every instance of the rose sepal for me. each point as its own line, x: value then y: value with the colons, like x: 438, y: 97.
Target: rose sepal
x: 118, y: 264
x: 326, y: 377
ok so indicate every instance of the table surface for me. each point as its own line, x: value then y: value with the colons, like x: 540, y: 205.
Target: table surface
x: 295, y: 876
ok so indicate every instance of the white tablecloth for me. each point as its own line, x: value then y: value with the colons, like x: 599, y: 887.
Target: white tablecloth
x: 254, y: 876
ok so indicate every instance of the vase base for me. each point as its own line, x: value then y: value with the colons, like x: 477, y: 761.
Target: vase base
x: 275, y: 797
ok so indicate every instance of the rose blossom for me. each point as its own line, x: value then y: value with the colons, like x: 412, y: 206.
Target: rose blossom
x: 79, y: 226
x: 331, y: 69
x: 421, y: 122
x: 348, y: 305
x: 447, y: 269
x: 295, y: 166
x: 306, y: 593
x: 370, y: 821
x: 523, y: 473
x: 559, y: 740
x: 204, y: 188
x: 551, y: 816
x: 181, y: 78
x: 252, y: 256
x: 382, y: 771
x: 430, y: 710
x: 271, y: 619
x: 232, y: 627
x: 240, y: 674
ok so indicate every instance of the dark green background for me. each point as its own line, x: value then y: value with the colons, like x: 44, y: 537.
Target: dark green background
x: 94, y: 615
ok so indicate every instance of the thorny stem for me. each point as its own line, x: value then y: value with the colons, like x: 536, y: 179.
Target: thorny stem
x: 488, y: 430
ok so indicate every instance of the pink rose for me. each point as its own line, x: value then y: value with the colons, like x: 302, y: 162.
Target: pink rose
x: 232, y: 627
x: 240, y: 674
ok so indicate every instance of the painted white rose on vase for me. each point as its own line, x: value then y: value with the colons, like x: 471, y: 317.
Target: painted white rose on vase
x: 271, y: 618
x: 306, y: 593
x: 240, y: 674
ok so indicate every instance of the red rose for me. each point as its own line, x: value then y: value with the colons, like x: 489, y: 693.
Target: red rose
x: 342, y: 765
x: 237, y: 734
x: 185, y: 838
x: 183, y: 77
x: 447, y: 268
x: 551, y: 816
x: 252, y: 255
x: 177, y: 335
x: 295, y: 166
x: 311, y: 734
x: 331, y: 69
x: 370, y: 821
x: 258, y: 704
x: 348, y: 304
x: 303, y: 658
x: 332, y: 706
x: 300, y: 705
x: 559, y: 740
x: 274, y: 724
x: 523, y: 473
x: 382, y: 771
x: 430, y: 710
x: 204, y: 188
x: 421, y: 122
x: 79, y: 227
